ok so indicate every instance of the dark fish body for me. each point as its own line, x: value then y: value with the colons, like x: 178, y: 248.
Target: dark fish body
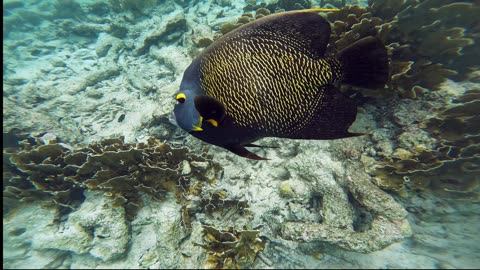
x: 270, y: 78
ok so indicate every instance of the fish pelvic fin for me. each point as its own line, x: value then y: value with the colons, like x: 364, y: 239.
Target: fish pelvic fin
x: 365, y: 63
x: 259, y: 146
x: 243, y: 152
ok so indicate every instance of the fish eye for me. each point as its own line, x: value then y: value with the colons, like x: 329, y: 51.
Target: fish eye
x: 181, y: 98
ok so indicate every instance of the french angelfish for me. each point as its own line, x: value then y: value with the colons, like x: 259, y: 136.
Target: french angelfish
x: 271, y: 78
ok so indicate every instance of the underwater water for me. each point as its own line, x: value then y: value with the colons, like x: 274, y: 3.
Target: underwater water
x: 95, y: 175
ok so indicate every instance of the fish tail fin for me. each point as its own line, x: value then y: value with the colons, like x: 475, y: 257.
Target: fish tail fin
x: 365, y: 63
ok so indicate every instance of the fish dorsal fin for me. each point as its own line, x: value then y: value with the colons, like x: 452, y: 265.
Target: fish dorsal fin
x: 210, y: 109
x: 305, y: 31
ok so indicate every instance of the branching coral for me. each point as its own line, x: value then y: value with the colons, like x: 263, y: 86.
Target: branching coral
x: 280, y: 5
x: 426, y: 46
x: 231, y: 248
x: 253, y: 12
x: 245, y: 18
x: 38, y: 173
x: 122, y: 171
x: 449, y: 167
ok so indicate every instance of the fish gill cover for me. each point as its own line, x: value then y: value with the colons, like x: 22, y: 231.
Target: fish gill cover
x: 99, y: 179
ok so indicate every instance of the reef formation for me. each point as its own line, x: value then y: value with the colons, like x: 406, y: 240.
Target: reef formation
x: 102, y: 193
x: 122, y: 171
x: 427, y: 47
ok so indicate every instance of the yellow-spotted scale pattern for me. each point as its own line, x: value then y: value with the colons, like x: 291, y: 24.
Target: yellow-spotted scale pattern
x: 267, y: 81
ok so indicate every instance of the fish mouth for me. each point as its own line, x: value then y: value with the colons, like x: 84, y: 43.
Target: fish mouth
x: 198, y: 128
x: 172, y: 119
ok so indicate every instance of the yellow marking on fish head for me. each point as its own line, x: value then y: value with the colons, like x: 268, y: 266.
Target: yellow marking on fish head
x: 181, y: 97
x: 199, y: 127
x: 213, y: 122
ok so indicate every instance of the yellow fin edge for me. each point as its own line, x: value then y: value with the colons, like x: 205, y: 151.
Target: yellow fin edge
x: 321, y: 10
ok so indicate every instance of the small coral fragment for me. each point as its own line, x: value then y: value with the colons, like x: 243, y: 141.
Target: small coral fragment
x: 231, y: 248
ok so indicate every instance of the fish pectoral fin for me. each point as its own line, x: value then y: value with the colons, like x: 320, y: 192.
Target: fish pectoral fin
x: 259, y: 146
x: 241, y: 151
x: 210, y: 109
x: 213, y: 122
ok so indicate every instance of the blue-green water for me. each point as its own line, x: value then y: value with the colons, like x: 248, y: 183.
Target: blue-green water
x: 95, y: 175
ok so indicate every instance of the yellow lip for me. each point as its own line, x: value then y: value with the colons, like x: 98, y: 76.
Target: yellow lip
x: 199, y: 127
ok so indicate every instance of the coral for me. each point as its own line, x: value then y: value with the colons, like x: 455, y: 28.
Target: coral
x: 421, y: 57
x: 219, y: 201
x: 293, y: 5
x: 444, y: 160
x: 88, y: 30
x: 107, y: 44
x: 387, y: 8
x: 100, y: 8
x: 271, y: 7
x: 406, y: 27
x: 80, y: 83
x: 337, y: 3
x: 228, y: 27
x: 67, y: 9
x: 118, y: 30
x: 387, y: 225
x: 285, y: 190
x: 419, y: 77
x: 231, y: 248
x: 245, y: 18
x: 131, y: 5
x: 204, y: 42
x: 264, y: 9
x: 122, y: 171
x: 169, y: 28
x: 96, y: 228
x: 37, y: 173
